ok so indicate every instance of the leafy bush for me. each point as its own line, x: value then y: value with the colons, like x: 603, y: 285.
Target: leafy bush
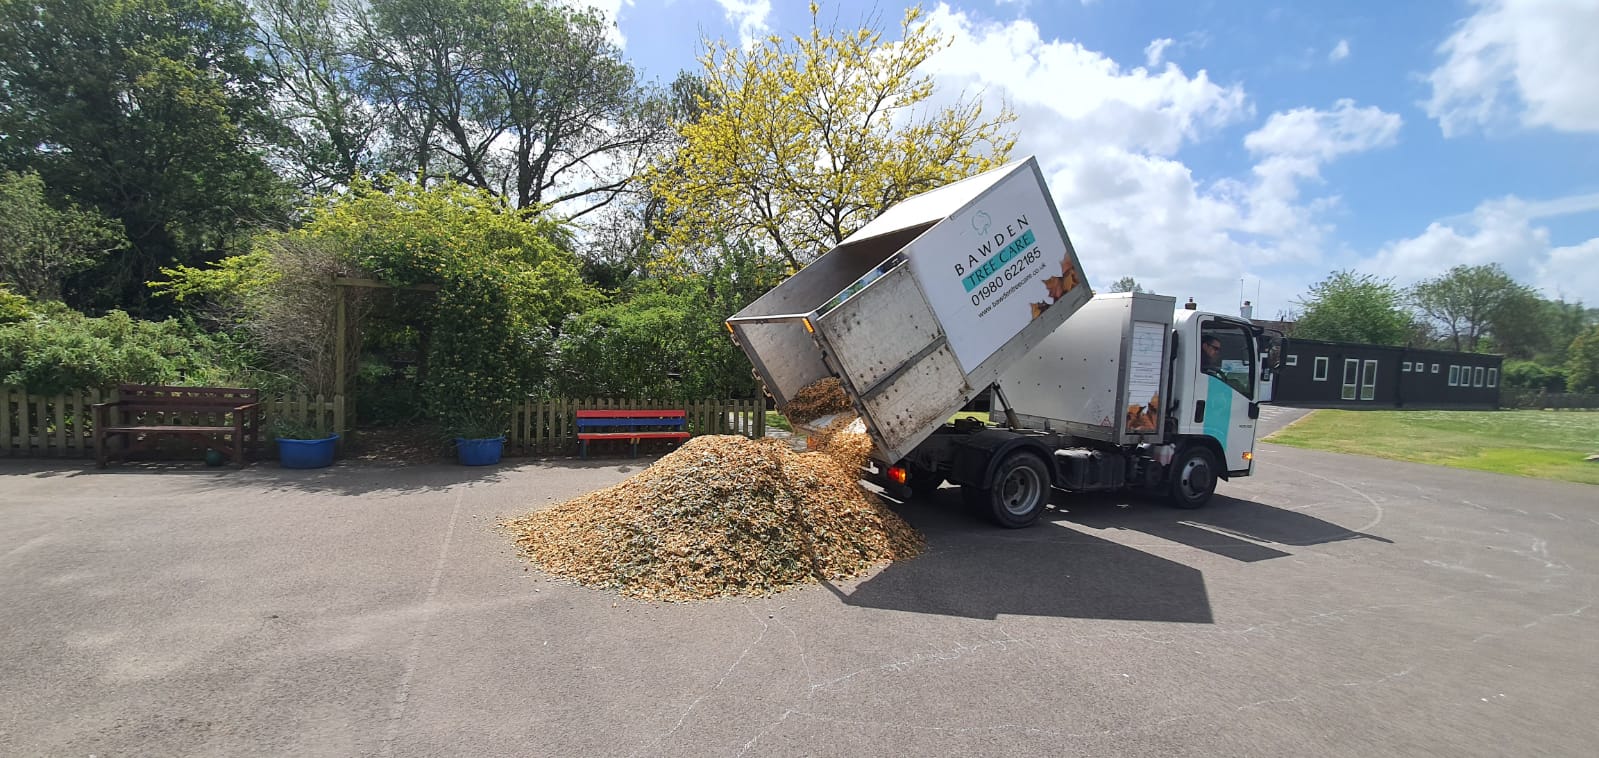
x: 13, y: 307
x: 291, y: 429
x: 59, y: 350
x: 653, y: 346
x: 1534, y: 376
x: 505, y: 277
x: 668, y: 340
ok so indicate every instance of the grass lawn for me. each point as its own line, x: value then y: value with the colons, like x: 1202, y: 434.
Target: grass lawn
x: 1543, y: 444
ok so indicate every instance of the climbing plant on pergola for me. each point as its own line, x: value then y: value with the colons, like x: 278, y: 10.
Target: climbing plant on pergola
x: 499, y: 277
x: 500, y: 280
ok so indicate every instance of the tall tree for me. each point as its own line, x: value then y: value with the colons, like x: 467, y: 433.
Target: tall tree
x: 1463, y: 302
x: 528, y: 99
x: 1126, y: 284
x: 1529, y: 327
x: 152, y: 112
x: 1582, y: 363
x: 39, y: 245
x: 1352, y: 307
x: 308, y: 48
x: 804, y: 140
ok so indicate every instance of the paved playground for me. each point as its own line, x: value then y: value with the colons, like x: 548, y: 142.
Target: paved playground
x: 1332, y: 605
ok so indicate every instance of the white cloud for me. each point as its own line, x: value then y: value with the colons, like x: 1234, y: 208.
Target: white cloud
x: 1155, y: 52
x: 1108, y: 139
x: 1531, y: 61
x: 750, y: 17
x: 1090, y: 98
x: 1501, y: 231
x: 1324, y: 135
x: 1339, y: 51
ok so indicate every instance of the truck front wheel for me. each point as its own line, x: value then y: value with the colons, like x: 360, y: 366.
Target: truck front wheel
x: 1193, y: 478
x: 1019, y: 494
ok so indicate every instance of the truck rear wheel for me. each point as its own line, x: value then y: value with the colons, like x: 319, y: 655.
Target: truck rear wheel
x: 1193, y: 478
x: 1020, y: 492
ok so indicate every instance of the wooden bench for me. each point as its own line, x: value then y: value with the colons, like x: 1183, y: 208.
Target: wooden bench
x: 144, y: 413
x: 631, y: 426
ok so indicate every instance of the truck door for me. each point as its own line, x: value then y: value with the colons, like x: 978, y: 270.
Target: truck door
x: 1226, y: 379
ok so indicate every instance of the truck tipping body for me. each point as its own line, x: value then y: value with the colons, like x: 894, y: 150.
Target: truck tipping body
x: 924, y: 307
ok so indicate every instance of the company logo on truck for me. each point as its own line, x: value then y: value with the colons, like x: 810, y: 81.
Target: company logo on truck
x: 1010, y: 256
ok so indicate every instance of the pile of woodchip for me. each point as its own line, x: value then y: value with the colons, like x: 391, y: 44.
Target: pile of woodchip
x: 816, y: 400
x: 723, y: 516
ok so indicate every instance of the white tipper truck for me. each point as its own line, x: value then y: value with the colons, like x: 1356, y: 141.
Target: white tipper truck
x: 975, y: 288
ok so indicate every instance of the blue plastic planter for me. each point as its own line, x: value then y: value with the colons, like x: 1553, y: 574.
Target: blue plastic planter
x: 306, y: 453
x: 480, y: 452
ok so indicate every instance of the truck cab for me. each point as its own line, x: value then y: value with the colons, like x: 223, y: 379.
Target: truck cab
x: 1221, y: 380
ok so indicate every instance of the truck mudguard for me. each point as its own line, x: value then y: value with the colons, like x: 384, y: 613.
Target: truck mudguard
x: 979, y: 454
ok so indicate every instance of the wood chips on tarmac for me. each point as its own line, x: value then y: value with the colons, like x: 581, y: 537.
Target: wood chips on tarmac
x: 723, y: 516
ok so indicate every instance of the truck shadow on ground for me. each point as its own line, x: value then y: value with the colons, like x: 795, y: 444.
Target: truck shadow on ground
x: 1243, y: 530
x: 1058, y: 568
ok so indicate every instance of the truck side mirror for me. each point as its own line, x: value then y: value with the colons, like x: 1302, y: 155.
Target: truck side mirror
x: 1271, y: 358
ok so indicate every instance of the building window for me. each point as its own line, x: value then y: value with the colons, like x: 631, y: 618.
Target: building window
x: 1321, y: 369
x: 1435, y: 368
x: 1368, y: 382
x: 1493, y: 377
x: 1404, y: 367
x: 1454, y: 376
x: 1351, y: 378
x: 1476, y: 380
x: 1293, y: 359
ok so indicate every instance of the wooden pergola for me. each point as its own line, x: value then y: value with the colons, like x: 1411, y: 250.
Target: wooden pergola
x: 341, y: 373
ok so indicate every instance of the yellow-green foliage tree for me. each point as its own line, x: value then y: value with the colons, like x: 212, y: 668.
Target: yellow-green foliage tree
x: 801, y: 141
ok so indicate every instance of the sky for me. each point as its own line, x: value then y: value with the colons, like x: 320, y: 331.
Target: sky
x: 1233, y: 150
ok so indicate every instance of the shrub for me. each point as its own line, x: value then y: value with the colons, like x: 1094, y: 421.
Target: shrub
x: 504, y: 278
x: 13, y: 307
x: 60, y: 350
x: 1534, y: 376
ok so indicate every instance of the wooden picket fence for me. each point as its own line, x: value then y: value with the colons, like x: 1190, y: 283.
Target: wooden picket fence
x: 62, y: 425
x: 550, y: 426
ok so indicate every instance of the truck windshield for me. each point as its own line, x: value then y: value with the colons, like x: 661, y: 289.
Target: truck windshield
x: 1226, y: 353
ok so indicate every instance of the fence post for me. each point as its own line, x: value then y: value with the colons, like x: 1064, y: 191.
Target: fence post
x: 39, y: 426
x: 94, y: 397
x: 338, y: 421
x: 5, y: 421
x: 61, y: 426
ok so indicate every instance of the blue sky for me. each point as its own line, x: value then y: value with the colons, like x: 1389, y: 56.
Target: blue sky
x: 1194, y: 144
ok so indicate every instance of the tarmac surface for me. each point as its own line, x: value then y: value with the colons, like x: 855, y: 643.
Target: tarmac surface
x: 1330, y: 605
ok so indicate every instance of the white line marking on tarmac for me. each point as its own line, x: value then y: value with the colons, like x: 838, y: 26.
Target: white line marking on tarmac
x: 403, y: 692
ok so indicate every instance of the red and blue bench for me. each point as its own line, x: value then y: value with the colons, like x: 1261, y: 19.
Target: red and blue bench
x: 632, y: 426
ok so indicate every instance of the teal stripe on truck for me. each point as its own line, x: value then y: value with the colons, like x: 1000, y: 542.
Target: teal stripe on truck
x: 1218, y: 411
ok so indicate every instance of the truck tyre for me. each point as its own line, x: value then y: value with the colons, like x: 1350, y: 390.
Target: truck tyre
x: 1020, y: 492
x: 1193, y: 478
